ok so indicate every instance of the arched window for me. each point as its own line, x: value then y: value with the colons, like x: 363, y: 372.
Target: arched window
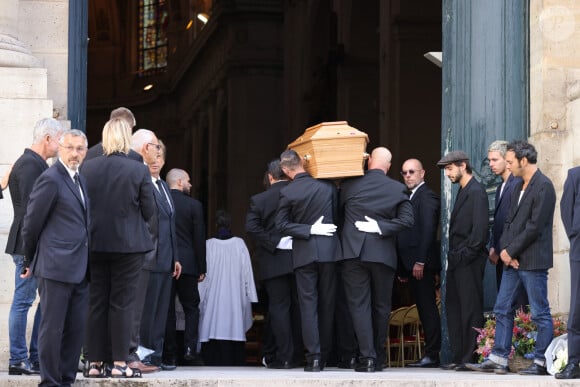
x: 153, y: 22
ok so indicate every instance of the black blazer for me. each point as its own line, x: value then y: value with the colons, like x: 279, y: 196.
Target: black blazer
x: 468, y: 226
x: 502, y: 209
x: 24, y: 173
x: 122, y: 203
x: 527, y: 235
x: 190, y: 230
x: 97, y: 150
x: 302, y: 203
x: 419, y: 243
x: 167, y: 252
x: 385, y: 200
x: 570, y: 211
x: 55, y: 227
x: 261, y: 226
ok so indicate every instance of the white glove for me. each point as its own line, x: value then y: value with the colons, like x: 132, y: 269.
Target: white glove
x: 319, y: 228
x: 370, y: 225
x: 285, y: 243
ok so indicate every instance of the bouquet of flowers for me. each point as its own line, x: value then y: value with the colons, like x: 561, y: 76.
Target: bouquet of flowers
x: 523, y: 339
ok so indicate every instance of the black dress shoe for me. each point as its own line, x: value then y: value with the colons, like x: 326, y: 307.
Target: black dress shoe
x: 448, y: 366
x: 281, y: 365
x: 347, y: 363
x: 22, y: 368
x: 314, y: 365
x: 168, y: 365
x: 462, y: 367
x: 571, y: 371
x: 365, y: 365
x: 488, y: 366
x: 426, y: 362
x: 189, y: 354
x: 534, y: 369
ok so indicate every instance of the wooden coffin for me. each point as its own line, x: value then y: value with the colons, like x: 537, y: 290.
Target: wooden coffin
x: 332, y: 150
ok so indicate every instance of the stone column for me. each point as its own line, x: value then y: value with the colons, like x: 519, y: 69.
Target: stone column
x: 13, y: 53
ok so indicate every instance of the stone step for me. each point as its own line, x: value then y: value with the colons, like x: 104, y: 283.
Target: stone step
x: 331, y: 377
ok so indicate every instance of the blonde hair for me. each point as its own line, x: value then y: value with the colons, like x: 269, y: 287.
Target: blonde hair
x: 116, y: 136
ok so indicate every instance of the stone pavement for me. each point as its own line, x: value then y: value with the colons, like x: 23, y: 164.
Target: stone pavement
x: 331, y: 377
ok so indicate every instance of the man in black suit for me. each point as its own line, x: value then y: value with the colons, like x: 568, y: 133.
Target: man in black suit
x: 274, y: 258
x: 376, y: 208
x: 526, y: 250
x: 146, y: 144
x: 570, y: 213
x: 304, y: 205
x: 190, y: 230
x: 419, y: 259
x: 126, y: 115
x: 166, y: 267
x: 465, y: 259
x: 24, y: 173
x: 496, y: 156
x: 56, y: 240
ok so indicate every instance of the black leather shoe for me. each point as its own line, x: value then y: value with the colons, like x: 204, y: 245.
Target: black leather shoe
x: 571, y: 371
x: 314, y: 365
x: 168, y: 365
x: 534, y: 369
x: 448, y: 366
x: 426, y: 362
x: 462, y: 367
x: 35, y: 366
x: 365, y: 365
x: 281, y: 365
x: 488, y: 366
x: 22, y: 368
x: 189, y: 354
x: 347, y: 363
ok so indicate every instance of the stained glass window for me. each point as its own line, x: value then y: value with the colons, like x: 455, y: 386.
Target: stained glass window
x: 153, y: 21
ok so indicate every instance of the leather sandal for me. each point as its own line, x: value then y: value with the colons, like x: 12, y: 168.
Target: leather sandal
x: 136, y: 373
x: 98, y: 368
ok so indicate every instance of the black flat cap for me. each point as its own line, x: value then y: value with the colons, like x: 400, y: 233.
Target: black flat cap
x: 452, y: 157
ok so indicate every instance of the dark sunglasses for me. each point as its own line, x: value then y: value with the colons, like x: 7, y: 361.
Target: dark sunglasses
x: 409, y: 172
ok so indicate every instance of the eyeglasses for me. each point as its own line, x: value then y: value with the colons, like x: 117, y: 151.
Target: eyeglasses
x: 408, y: 172
x: 70, y: 148
x: 157, y: 146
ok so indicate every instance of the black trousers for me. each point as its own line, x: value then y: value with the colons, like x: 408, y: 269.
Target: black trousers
x: 316, y: 287
x: 139, y: 303
x: 186, y: 289
x: 346, y: 346
x: 368, y: 287
x: 284, y: 316
x: 424, y: 293
x: 574, y: 316
x: 464, y: 305
x: 61, y: 332
x: 154, y: 316
x: 113, y: 287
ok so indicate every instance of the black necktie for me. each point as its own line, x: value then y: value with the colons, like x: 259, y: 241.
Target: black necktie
x: 163, y: 195
x: 78, y: 185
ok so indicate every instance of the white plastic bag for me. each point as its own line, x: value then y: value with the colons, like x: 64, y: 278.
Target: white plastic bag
x: 557, y: 354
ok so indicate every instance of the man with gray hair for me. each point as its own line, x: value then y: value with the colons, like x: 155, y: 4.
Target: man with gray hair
x: 24, y: 173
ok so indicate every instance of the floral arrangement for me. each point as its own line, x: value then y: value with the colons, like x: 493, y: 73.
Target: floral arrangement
x: 523, y: 339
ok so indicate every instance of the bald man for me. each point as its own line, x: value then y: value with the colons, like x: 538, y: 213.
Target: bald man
x: 376, y: 208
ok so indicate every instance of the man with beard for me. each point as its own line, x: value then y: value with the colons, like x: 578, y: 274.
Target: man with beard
x: 465, y: 259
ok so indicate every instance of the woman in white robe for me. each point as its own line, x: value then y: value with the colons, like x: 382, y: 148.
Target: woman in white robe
x: 226, y: 297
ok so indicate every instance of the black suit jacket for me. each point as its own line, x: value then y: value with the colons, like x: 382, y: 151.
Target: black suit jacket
x: 418, y: 244
x: 502, y: 209
x: 167, y: 252
x: 468, y: 226
x: 570, y: 211
x: 55, y: 227
x: 261, y: 226
x: 97, y: 150
x: 24, y: 173
x: 190, y: 230
x: 383, y: 199
x: 527, y: 235
x: 302, y: 203
x: 122, y: 203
